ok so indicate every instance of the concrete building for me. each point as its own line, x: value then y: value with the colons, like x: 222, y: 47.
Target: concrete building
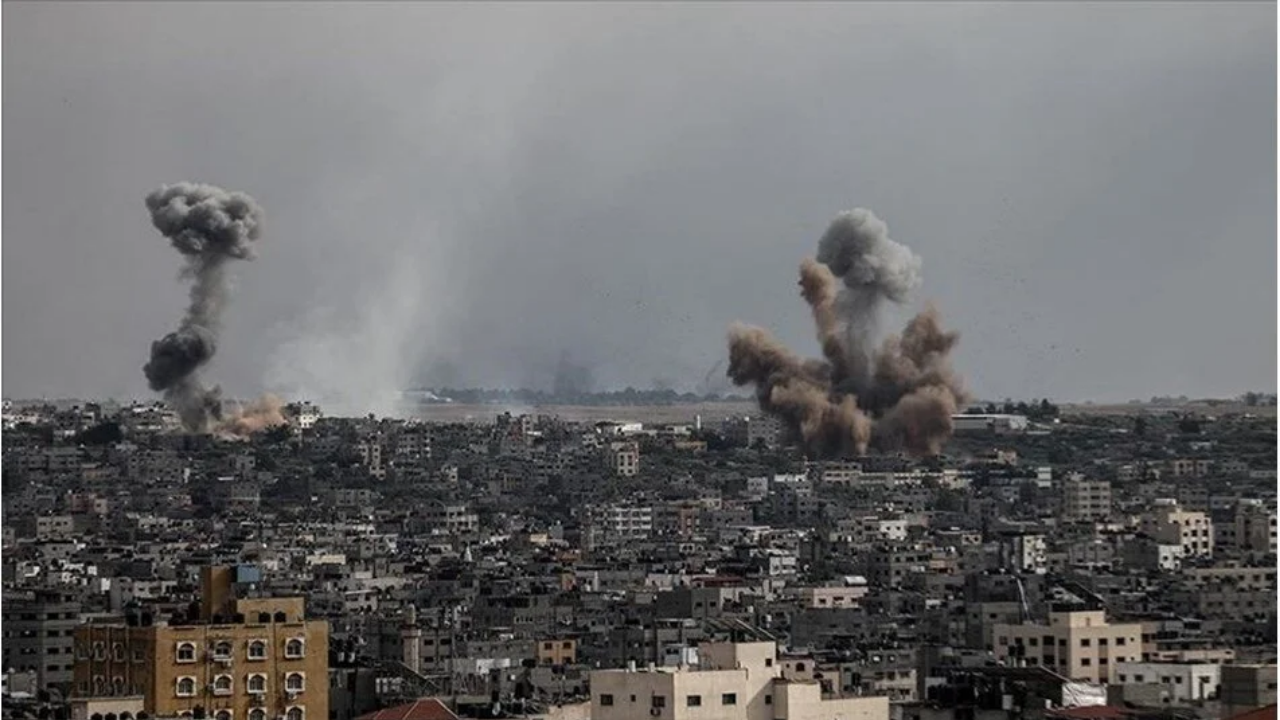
x: 1078, y: 644
x: 733, y: 681
x: 1254, y: 527
x: 1169, y: 524
x: 1182, y: 681
x: 1245, y: 687
x: 1026, y: 553
x: 38, y: 633
x: 1084, y: 500
x: 241, y: 658
x: 557, y: 651
x: 624, y: 458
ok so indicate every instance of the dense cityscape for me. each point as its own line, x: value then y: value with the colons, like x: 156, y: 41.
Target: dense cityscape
x: 1049, y: 561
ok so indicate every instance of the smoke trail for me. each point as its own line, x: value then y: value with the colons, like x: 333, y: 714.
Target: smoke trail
x: 209, y: 226
x: 901, y: 394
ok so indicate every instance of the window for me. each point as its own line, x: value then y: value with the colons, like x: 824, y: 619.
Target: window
x: 1139, y: 678
x: 568, y: 645
x: 257, y: 714
x: 186, y: 652
x: 222, y: 650
x: 295, y: 648
x: 293, y: 713
x: 1121, y: 677
x: 222, y: 715
x: 546, y: 646
x: 606, y: 700
x: 257, y: 650
x: 99, y: 651
x: 729, y: 699
x: 222, y: 685
x: 139, y: 655
x: 693, y: 701
x: 659, y: 701
x: 1084, y: 642
x: 257, y: 684
x: 1085, y: 662
x: 768, y: 699
x: 186, y: 687
x: 295, y: 682
x: 768, y: 662
x: 117, y: 685
x: 1120, y: 641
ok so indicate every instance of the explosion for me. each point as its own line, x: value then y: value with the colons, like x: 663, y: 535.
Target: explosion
x: 899, y: 395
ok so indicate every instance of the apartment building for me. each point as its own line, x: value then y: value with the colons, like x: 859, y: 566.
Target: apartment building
x: 1084, y: 500
x: 733, y: 681
x: 1079, y: 644
x: 240, y: 658
x: 38, y: 631
x: 624, y: 458
x: 1169, y: 524
x: 1181, y: 681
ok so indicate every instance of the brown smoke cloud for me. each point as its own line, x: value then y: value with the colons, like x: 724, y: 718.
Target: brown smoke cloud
x: 262, y: 414
x: 899, y: 395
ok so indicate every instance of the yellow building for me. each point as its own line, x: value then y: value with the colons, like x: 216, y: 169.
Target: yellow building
x: 733, y: 681
x: 241, y: 659
x: 1079, y: 644
x: 558, y: 651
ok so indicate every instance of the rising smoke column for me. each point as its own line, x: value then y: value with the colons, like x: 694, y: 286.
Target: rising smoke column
x: 900, y: 394
x: 209, y: 226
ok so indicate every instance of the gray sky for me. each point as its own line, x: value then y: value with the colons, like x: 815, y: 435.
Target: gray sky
x: 1092, y: 187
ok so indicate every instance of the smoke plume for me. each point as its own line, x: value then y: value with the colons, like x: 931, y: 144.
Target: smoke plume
x: 262, y: 414
x: 209, y: 226
x: 900, y: 394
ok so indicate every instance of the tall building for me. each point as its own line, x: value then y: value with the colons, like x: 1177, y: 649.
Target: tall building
x: 1085, y: 499
x: 1079, y: 644
x: 238, y: 658
x: 1169, y: 524
x: 38, y: 632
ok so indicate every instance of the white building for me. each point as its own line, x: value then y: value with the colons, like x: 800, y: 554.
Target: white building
x: 1169, y: 524
x: 733, y: 681
x: 999, y: 424
x: 1184, y: 681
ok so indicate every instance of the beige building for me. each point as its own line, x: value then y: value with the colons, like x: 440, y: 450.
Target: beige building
x: 1169, y: 524
x: 840, y: 596
x: 624, y: 458
x: 733, y: 681
x: 241, y: 659
x: 1079, y: 644
x: 1085, y: 499
x: 557, y: 651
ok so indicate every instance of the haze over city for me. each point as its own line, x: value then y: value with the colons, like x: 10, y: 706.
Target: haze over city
x: 467, y: 195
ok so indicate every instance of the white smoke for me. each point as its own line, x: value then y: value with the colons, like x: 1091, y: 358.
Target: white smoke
x: 354, y: 364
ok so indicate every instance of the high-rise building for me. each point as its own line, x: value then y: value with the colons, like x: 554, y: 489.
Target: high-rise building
x: 239, y: 658
x: 1085, y: 499
x: 38, y: 636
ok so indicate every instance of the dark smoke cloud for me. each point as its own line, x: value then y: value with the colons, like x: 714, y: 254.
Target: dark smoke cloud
x: 899, y: 395
x: 209, y: 226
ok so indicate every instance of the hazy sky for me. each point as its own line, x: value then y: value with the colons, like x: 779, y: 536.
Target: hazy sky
x: 1091, y: 186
